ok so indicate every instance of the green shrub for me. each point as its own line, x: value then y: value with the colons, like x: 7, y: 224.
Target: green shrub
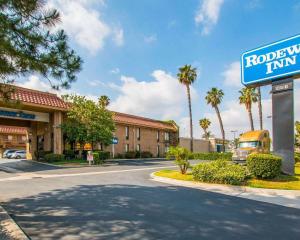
x: 297, y: 157
x: 119, y: 156
x: 69, y: 154
x: 130, y: 154
x: 39, y: 155
x: 220, y: 171
x: 211, y: 156
x: 146, y: 154
x: 181, y: 156
x: 264, y: 165
x: 52, y: 157
x: 100, y: 156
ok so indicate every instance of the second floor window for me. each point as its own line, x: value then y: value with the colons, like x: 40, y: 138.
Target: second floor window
x: 138, y: 134
x: 127, y: 132
x: 167, y: 136
x: 138, y: 147
x: 157, y: 136
x: 126, y: 147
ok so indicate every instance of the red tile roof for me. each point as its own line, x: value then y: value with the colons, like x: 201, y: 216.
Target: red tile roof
x: 46, y: 99
x: 53, y: 101
x: 141, y: 121
x: 12, y: 130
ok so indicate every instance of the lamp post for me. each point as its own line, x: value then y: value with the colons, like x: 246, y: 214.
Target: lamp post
x: 234, y: 132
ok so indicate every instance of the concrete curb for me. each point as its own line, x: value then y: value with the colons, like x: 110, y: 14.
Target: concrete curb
x: 287, y: 198
x: 9, y: 230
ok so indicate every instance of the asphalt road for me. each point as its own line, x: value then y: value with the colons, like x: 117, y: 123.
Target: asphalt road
x: 121, y: 202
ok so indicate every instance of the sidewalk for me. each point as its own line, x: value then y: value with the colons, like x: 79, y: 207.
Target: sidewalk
x: 9, y: 230
x: 287, y: 198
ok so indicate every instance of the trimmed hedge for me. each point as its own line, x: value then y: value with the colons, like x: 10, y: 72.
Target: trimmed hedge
x: 52, y: 157
x: 146, y: 154
x: 265, y: 166
x: 211, y: 156
x: 220, y: 171
x: 69, y: 154
x: 39, y: 155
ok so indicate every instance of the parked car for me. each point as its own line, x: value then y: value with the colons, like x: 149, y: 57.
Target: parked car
x: 18, y: 154
x: 8, y: 152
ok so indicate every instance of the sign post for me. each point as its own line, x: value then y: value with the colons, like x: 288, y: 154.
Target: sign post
x: 115, y: 140
x: 277, y: 64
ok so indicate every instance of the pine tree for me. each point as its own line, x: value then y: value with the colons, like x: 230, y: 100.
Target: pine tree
x: 29, y: 43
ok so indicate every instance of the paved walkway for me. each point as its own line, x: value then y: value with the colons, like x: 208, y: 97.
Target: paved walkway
x: 287, y: 198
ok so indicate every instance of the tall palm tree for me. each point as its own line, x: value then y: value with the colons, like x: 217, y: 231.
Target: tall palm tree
x: 187, y: 75
x: 204, y: 124
x: 214, y: 98
x: 247, y: 97
x: 260, y: 108
x: 104, y: 101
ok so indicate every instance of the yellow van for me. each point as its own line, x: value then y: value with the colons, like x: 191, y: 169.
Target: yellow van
x: 252, y: 142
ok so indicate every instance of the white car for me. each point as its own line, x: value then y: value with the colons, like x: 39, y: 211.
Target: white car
x: 19, y: 154
x: 8, y: 152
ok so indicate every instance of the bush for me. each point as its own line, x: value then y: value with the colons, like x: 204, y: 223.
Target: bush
x: 297, y: 157
x: 100, y: 156
x: 146, y: 154
x: 181, y: 156
x: 130, y: 154
x: 69, y: 154
x: 220, y: 171
x: 52, y: 157
x: 39, y: 155
x: 211, y: 156
x: 264, y: 165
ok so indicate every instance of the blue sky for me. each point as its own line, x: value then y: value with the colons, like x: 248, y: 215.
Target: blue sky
x: 132, y: 50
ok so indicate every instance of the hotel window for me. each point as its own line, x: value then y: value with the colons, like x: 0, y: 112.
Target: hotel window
x: 157, y: 150
x: 126, y: 147
x: 167, y: 136
x: 127, y: 132
x: 166, y: 148
x: 138, y: 147
x: 157, y: 136
x: 8, y: 138
x: 138, y: 134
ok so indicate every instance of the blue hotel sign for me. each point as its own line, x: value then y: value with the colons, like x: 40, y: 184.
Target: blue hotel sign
x: 274, y: 61
x: 13, y: 114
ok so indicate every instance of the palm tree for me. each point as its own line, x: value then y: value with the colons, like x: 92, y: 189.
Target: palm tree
x: 247, y: 97
x: 207, y: 135
x: 214, y: 98
x: 260, y: 108
x: 104, y: 101
x: 204, y: 124
x: 187, y: 75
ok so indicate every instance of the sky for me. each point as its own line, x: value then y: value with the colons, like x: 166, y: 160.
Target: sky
x: 132, y: 50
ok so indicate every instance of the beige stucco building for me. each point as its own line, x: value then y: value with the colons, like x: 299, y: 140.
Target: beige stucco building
x: 42, y: 113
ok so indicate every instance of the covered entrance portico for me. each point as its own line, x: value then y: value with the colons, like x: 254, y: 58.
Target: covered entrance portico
x: 41, y: 114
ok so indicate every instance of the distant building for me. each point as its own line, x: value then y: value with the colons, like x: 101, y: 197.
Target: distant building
x: 40, y: 115
x: 12, y: 138
x: 204, y: 145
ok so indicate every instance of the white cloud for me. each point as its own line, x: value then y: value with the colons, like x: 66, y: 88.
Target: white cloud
x: 115, y: 71
x: 83, y: 22
x: 119, y: 37
x: 35, y: 83
x: 232, y: 75
x: 154, y: 98
x: 150, y: 39
x: 208, y: 14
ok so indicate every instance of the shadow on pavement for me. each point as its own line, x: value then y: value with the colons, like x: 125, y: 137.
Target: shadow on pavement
x: 27, y: 166
x: 141, y: 212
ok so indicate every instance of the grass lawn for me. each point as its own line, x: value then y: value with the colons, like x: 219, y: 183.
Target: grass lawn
x: 281, y: 182
x: 72, y: 162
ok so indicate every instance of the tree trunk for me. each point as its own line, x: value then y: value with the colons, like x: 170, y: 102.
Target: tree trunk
x: 260, y: 109
x: 251, y: 119
x: 191, y: 120
x: 222, y: 128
